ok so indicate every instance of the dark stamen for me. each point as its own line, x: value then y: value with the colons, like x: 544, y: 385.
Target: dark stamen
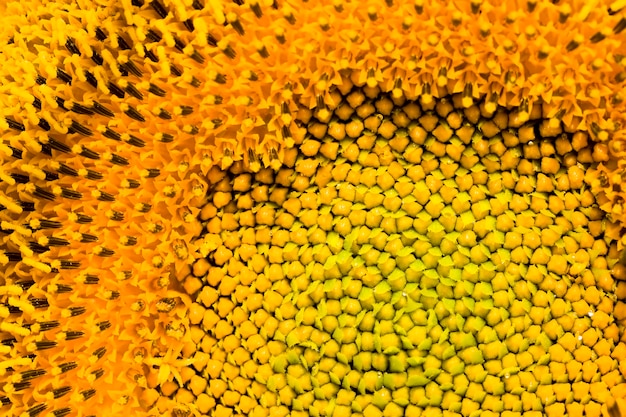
x: 62, y: 412
x: 91, y: 79
x: 61, y: 288
x: 65, y: 170
x: 88, y: 153
x: 124, y: 46
x: 135, y: 141
x: 21, y: 386
x: 189, y: 25
x: 103, y: 325
x: 76, y: 127
x: 166, y: 138
x: 118, y: 160
x: 73, y: 335
x: 115, y: 90
x: 20, y: 179
x: 77, y: 311
x: 87, y: 238
x: 97, y: 58
x: 174, y: 69
x: 45, y: 344
x: 80, y: 109
x: 15, y: 153
x: 32, y: 374
x: 111, y: 134
x: 44, y: 125
x: 57, y: 241
x: 15, y: 125
x: 36, y: 410
x: 132, y: 68
x: 105, y: 196
x: 67, y: 366
x: 100, y: 35
x: 27, y: 205
x: 64, y: 76
x: 50, y: 224
x: 620, y: 26
x: 145, y: 208
x: 100, y: 109
x: 150, y: 55
x: 117, y: 215
x: 94, y: 175
x: 39, y: 302
x: 159, y: 8
x: 91, y: 279
x: 153, y: 36
x: 87, y: 394
x: 133, y: 183
x: 83, y: 219
x: 41, y: 193
x: 179, y: 44
x: 58, y: 393
x: 61, y: 147
x: 71, y: 46
x: 37, y: 248
x: 48, y: 325
x: 132, y: 90
x: 99, y: 353
x: 164, y: 114
x: 156, y: 90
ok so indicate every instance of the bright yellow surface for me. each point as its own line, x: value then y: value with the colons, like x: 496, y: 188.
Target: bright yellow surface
x: 121, y: 117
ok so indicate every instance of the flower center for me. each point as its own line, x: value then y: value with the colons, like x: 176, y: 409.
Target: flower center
x: 409, y: 257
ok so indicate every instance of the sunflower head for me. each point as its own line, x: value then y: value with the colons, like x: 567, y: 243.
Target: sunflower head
x: 317, y: 208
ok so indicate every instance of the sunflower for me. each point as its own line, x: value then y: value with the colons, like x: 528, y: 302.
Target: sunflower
x: 333, y: 208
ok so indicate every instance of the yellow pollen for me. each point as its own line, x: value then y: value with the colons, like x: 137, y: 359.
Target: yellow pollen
x: 269, y: 208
